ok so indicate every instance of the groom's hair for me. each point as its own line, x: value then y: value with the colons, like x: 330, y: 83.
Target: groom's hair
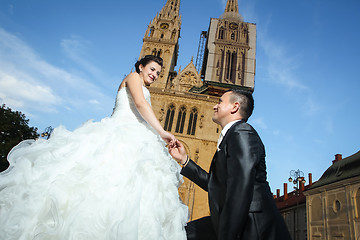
x: 246, y: 101
x: 146, y: 60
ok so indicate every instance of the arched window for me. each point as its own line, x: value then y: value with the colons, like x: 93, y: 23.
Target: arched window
x: 230, y: 67
x: 151, y: 33
x: 162, y: 35
x: 232, y: 36
x: 221, y: 33
x: 233, y: 67
x: 154, y: 52
x: 227, y: 65
x: 192, y: 121
x: 159, y: 53
x: 181, y: 120
x: 169, y: 117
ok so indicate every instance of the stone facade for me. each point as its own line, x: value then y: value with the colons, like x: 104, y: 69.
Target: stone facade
x: 333, y: 202
x: 200, y: 144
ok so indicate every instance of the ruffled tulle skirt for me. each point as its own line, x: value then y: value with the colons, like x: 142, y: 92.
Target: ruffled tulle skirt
x: 105, y: 180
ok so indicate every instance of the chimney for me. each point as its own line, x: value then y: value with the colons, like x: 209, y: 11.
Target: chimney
x: 277, y: 193
x: 310, y: 179
x: 302, y: 184
x: 338, y: 157
x: 285, y: 192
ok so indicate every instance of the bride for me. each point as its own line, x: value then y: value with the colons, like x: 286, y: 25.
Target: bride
x: 112, y: 179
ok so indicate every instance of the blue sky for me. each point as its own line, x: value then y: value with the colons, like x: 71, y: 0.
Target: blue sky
x: 62, y: 61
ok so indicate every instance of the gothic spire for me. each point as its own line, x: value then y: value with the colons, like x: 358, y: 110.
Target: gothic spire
x: 232, y: 6
x: 232, y: 10
x: 171, y: 9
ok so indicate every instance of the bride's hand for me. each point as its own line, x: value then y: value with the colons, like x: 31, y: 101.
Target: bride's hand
x: 168, y: 138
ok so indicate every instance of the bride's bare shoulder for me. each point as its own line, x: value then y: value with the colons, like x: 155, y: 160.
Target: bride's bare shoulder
x: 130, y: 77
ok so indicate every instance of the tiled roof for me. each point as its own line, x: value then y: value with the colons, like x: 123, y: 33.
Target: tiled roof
x: 293, y: 198
x: 340, y: 170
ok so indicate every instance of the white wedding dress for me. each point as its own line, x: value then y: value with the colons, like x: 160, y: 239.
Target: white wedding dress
x: 112, y: 179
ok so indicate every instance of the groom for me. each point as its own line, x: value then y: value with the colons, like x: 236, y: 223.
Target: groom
x: 241, y: 204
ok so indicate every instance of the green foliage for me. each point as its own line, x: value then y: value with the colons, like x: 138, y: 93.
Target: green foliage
x: 13, y: 129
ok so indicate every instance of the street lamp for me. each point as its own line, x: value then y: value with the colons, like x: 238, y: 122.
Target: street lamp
x: 296, y: 177
x: 47, y: 132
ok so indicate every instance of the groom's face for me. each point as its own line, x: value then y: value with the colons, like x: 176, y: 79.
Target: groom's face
x: 222, y: 110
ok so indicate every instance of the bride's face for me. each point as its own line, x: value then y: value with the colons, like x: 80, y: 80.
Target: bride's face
x: 150, y: 72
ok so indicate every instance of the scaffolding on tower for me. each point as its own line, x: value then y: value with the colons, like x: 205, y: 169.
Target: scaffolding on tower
x: 200, y: 53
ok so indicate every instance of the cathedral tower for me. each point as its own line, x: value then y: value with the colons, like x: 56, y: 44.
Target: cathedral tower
x: 161, y: 39
x: 229, y: 57
x: 183, y: 100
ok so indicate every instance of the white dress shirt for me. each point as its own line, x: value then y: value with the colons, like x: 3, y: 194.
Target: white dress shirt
x: 224, y: 131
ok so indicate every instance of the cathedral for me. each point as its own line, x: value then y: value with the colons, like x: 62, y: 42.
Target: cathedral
x: 183, y: 100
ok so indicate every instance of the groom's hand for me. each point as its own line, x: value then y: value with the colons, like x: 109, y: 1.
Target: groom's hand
x: 178, y: 152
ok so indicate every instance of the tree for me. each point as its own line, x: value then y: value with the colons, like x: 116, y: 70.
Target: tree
x: 13, y: 129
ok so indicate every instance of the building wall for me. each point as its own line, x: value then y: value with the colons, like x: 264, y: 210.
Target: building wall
x: 333, y: 211
x: 200, y: 147
x: 295, y: 219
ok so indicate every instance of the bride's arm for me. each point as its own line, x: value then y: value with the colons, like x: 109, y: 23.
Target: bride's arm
x: 134, y: 84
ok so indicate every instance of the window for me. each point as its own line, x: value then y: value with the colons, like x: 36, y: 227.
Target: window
x: 230, y: 67
x: 159, y: 53
x: 169, y: 117
x: 192, y: 121
x: 233, y: 67
x: 181, y: 120
x: 151, y: 33
x: 227, y: 65
x: 221, y: 33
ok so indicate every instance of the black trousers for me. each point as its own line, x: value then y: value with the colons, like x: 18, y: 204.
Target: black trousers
x: 200, y: 229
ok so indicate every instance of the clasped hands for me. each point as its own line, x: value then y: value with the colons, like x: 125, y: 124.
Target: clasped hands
x: 178, y: 152
x: 175, y: 148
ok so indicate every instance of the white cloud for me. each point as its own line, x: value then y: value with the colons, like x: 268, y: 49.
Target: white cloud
x: 223, y: 3
x: 311, y: 107
x: 28, y: 83
x: 76, y: 49
x: 19, y: 93
x: 94, y: 102
x: 281, y: 65
x: 259, y: 123
x: 276, y: 132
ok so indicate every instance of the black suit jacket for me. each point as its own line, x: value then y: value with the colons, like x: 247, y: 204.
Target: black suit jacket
x: 240, y: 200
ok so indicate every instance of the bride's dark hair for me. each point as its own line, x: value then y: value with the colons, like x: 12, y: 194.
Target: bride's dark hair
x: 147, y: 59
